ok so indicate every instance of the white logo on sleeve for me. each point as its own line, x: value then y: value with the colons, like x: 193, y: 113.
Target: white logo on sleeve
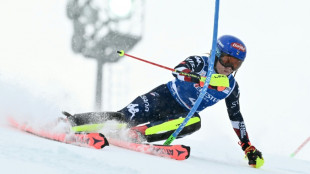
x: 132, y: 109
x: 192, y: 100
x: 198, y: 59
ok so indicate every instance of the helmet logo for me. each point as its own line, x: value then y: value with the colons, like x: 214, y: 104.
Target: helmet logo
x: 238, y: 46
x: 220, y: 43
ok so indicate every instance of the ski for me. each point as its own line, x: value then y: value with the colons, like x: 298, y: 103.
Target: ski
x: 177, y: 152
x: 95, y: 121
x: 98, y: 140
x: 92, y: 140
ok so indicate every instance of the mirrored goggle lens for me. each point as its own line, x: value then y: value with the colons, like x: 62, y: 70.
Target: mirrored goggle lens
x: 230, y: 61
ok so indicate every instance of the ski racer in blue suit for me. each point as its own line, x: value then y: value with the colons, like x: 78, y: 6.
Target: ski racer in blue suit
x: 174, y: 99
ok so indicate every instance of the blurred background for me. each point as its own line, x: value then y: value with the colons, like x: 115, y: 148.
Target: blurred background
x: 57, y: 55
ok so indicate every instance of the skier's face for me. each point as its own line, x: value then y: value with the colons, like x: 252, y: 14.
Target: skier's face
x: 222, y: 69
x: 229, y: 61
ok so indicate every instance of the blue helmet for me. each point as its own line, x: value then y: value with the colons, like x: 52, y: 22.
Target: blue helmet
x: 231, y: 45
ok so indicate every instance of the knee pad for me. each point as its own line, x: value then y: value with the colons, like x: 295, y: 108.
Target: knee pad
x: 164, y: 130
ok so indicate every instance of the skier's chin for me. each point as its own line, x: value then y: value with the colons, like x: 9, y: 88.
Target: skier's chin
x: 225, y: 72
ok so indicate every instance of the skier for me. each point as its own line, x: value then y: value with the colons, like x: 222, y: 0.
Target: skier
x: 158, y: 113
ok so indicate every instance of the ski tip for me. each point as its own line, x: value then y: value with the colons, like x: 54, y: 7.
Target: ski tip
x: 121, y: 53
x: 105, y: 140
x: 188, y: 151
x: 67, y: 114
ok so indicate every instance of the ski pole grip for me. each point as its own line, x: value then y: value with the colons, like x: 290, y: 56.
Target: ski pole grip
x: 121, y: 53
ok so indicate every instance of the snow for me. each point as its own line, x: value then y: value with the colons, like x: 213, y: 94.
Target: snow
x: 23, y: 152
x: 40, y: 77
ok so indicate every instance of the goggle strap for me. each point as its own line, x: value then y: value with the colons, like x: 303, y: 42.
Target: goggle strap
x: 235, y: 73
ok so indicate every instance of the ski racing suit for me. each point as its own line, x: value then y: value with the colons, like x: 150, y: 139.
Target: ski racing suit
x: 175, y: 99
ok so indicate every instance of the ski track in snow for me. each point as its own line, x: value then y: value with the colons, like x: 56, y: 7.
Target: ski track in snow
x: 30, y: 150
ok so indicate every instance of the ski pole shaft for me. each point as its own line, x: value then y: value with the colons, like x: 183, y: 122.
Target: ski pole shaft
x: 215, y: 79
x: 300, y: 147
x: 122, y: 53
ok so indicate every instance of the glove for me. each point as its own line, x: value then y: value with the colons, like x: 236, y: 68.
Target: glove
x: 254, y: 156
x: 202, y: 81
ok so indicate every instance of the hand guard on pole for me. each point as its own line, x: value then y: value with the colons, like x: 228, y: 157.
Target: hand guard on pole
x: 253, y: 155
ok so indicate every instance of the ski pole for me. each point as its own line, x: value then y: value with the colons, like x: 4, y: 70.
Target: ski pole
x: 216, y: 79
x: 122, y: 53
x: 300, y: 147
x: 208, y: 78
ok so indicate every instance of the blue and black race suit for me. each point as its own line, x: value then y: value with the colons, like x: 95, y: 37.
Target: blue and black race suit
x: 177, y: 97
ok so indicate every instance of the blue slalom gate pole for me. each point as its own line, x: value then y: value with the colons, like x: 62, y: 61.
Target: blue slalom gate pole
x: 208, y: 78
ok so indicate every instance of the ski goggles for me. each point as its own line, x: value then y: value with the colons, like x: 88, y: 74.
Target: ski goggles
x: 229, y: 61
